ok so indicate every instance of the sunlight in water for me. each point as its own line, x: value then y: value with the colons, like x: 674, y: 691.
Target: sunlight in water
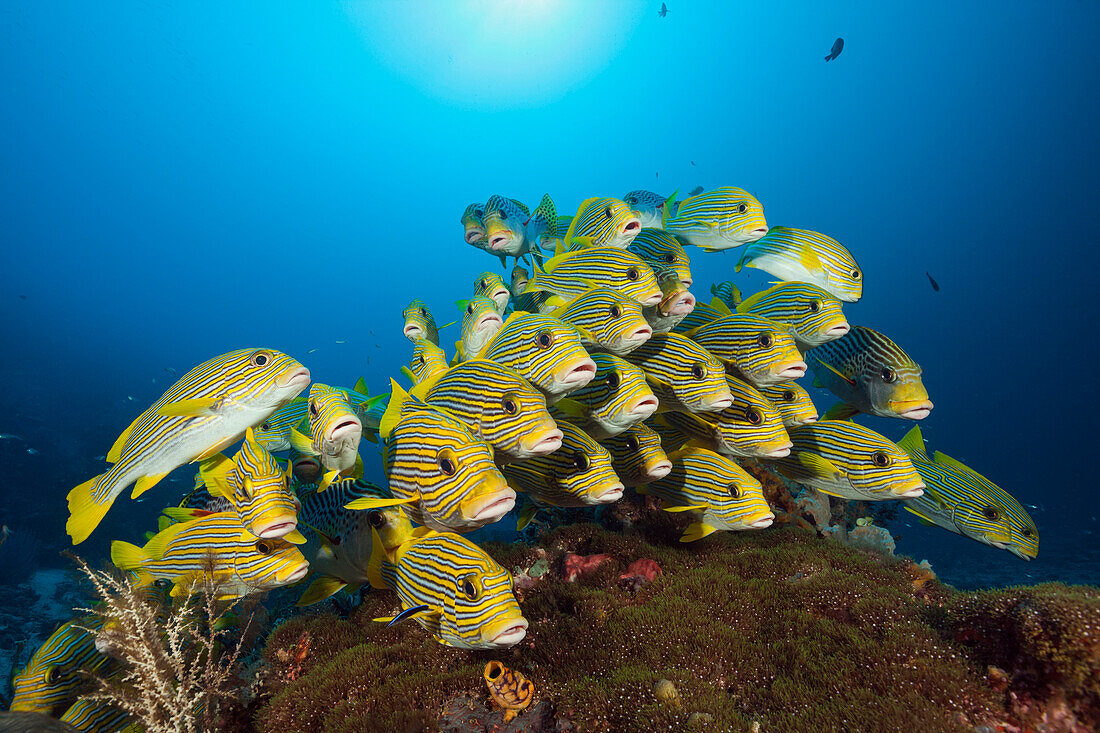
x: 496, y: 54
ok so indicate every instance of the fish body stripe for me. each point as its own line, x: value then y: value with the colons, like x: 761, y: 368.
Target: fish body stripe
x: 593, y: 311
x: 604, y: 219
x: 668, y: 360
x: 516, y: 345
x: 72, y: 650
x: 793, y: 402
x: 417, y: 314
x: 558, y: 478
x: 661, y: 250
x: 602, y: 266
x: 699, y: 477
x: 633, y: 451
x: 755, y: 346
x: 751, y: 427
x: 810, y: 311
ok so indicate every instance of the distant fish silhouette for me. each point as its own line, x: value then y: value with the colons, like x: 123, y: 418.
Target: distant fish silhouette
x: 695, y: 191
x: 838, y: 46
x: 935, y: 285
x: 693, y: 162
x: 663, y: 11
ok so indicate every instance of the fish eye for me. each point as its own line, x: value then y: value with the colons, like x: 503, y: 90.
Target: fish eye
x: 264, y: 547
x: 742, y: 208
x: 162, y: 583
x: 447, y: 463
x: 734, y: 490
x: 509, y: 404
x: 469, y: 587
x: 856, y: 274
x: 376, y: 518
x: 479, y: 212
x: 632, y: 444
x: 991, y: 513
x: 632, y: 274
x: 615, y: 311
x: 670, y: 257
x: 53, y: 675
x: 1026, y: 533
x: 765, y: 340
x: 265, y: 426
x: 888, y: 375
x: 420, y: 360
x: 545, y: 339
x: 422, y: 312
x: 815, y: 306
x: 607, y: 210
x: 470, y: 308
x: 580, y: 460
x: 260, y: 358
x: 313, y: 408
x: 880, y: 459
x: 613, y: 380
x: 698, y: 370
x: 485, y: 284
x: 788, y: 395
x: 754, y: 416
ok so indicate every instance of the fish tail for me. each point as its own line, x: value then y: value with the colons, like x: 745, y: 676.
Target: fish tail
x: 126, y: 556
x: 85, y: 512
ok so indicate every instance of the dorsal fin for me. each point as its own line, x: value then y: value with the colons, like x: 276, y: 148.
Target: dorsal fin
x: 913, y: 444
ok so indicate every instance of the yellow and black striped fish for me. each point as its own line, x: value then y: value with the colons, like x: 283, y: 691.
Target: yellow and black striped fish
x: 792, y: 401
x: 577, y: 474
x: 662, y: 251
x: 961, y: 500
x: 676, y: 304
x: 607, y: 320
x: 637, y: 455
x: 841, y: 458
x: 473, y: 227
x: 648, y: 206
x: 617, y: 399
x: 545, y: 351
x: 427, y: 361
x: 602, y: 222
x: 492, y: 286
x: 334, y: 431
x: 518, y: 282
x: 872, y: 374
x: 419, y: 323
x: 480, y: 320
x: 274, y: 432
x: 97, y: 716
x: 216, y: 548
x: 727, y: 293
x: 459, y: 594
x: 715, y: 489
x: 815, y: 317
x: 208, y: 409
x: 805, y: 256
x: 684, y: 376
x: 719, y: 219
x: 572, y: 273
x: 752, y: 347
x: 60, y: 670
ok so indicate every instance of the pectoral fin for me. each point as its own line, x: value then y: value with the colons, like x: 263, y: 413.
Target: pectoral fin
x: 200, y: 407
x: 696, y: 531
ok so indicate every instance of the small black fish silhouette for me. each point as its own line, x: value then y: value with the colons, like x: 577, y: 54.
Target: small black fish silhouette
x: 838, y: 46
x: 935, y: 285
x: 663, y: 11
x: 693, y: 162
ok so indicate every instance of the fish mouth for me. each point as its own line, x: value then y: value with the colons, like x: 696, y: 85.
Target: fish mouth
x: 780, y: 452
x: 540, y: 445
x: 644, y: 408
x: 687, y: 282
x: 909, y: 491
x: 499, y: 241
x: 835, y: 332
x: 474, y: 235
x: 912, y: 410
x: 803, y: 421
x: 608, y: 494
x: 494, y: 506
x: 296, y: 378
x: 720, y: 403
x: 414, y: 332
x: 658, y: 470
x: 509, y: 633
x: 300, y: 572
x: 307, y: 471
x: 501, y: 294
x: 762, y: 521
x: 794, y: 370
x: 757, y: 233
x: 581, y: 374
x: 278, y: 528
x: 489, y: 319
x: 652, y: 297
x: 1018, y: 552
x: 681, y: 304
x: 346, y: 429
x: 632, y: 228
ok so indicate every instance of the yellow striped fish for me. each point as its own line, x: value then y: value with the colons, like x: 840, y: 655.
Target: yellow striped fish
x: 617, y: 399
x: 662, y: 251
x: 274, y: 432
x: 427, y: 361
x: 340, y: 539
x: 419, y: 323
x: 603, y: 222
x: 719, y: 219
x: 792, y: 401
x: 456, y: 592
x: 443, y: 474
x: 637, y: 456
x: 334, y: 431
x: 676, y: 304
x: 257, y: 489
x: 97, y: 716
x: 961, y: 500
x: 683, y: 375
x: 214, y: 547
x: 577, y: 474
x: 727, y: 293
x: 815, y: 317
x: 607, y: 319
x: 58, y: 672
x: 752, y: 347
x: 205, y: 411
x: 702, y: 314
x: 714, y: 489
x: 480, y: 321
x: 648, y: 207
x: 841, y: 458
x: 473, y: 228
x: 804, y: 256
x: 872, y: 374
x: 518, y: 281
x: 492, y: 286
x: 750, y: 428
x: 501, y: 407
x: 572, y: 273
x: 545, y: 351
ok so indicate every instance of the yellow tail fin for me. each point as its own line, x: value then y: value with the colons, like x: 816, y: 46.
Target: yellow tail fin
x: 126, y: 556
x: 85, y: 513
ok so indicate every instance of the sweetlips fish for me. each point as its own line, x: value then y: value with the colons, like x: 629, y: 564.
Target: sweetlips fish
x: 815, y: 317
x: 340, y: 541
x: 61, y: 670
x: 578, y: 474
x: 841, y: 458
x: 491, y: 285
x: 701, y: 315
x: 305, y: 470
x: 480, y: 321
x: 419, y: 323
x: 683, y: 375
x: 648, y: 207
x: 537, y: 301
x: 727, y: 292
x: 572, y: 273
x: 455, y: 591
x: 719, y: 219
x: 519, y: 279
x: 617, y: 399
x: 427, y: 361
x: 97, y: 716
x: 637, y: 456
x: 961, y: 500
x: 761, y: 351
x: 208, y: 409
x: 872, y: 374
x: 512, y: 229
x: 257, y: 489
x: 474, y: 226
x: 334, y: 431
x: 443, y: 475
x: 792, y: 401
x: 602, y: 222
x: 545, y: 351
x: 213, y: 548
x: 809, y: 257
x: 274, y: 432
x: 607, y: 319
x: 676, y: 304
x: 662, y: 251
x: 500, y: 406
x: 715, y: 489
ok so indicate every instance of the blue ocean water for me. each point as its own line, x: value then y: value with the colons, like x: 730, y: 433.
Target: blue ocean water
x: 180, y: 181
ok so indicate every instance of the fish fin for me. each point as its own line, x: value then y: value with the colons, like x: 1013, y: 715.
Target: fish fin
x: 688, y: 508
x: 420, y: 391
x: 462, y: 304
x: 320, y: 589
x: 295, y: 537
x: 392, y: 414
x: 327, y: 479
x: 945, y: 460
x: 126, y: 556
x: 370, y: 502
x: 747, y: 304
x: 809, y: 259
x: 85, y: 513
x: 696, y: 531
x: 666, y: 208
x: 840, y: 411
x: 834, y: 370
x: 553, y: 263
x: 374, y: 564
x: 199, y: 407
x: 361, y: 387
x: 212, y: 450
x: 503, y: 260
x: 819, y: 465
x: 163, y: 523
x: 818, y: 383
x: 182, y: 514
x: 572, y: 408
x: 301, y: 443
x: 657, y: 380
x: 913, y: 444
x: 409, y: 374
x: 719, y: 305
x: 115, y: 453
x: 155, y: 547
x: 742, y: 261
x: 145, y: 483
x: 525, y: 516
x: 214, y: 472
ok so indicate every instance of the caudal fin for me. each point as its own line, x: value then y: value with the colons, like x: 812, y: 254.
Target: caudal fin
x: 85, y: 513
x: 126, y: 556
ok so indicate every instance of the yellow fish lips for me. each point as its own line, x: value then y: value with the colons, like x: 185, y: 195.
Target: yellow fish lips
x: 273, y: 527
x: 836, y: 329
x: 504, y: 632
x: 490, y: 500
x: 544, y: 439
x: 605, y: 494
x: 656, y: 468
x: 677, y: 303
x: 579, y: 373
x: 760, y: 519
x: 789, y: 370
x: 720, y: 400
x: 652, y: 296
x: 294, y: 376
x: 917, y: 409
x: 474, y: 232
x: 776, y: 449
x: 498, y: 234
x: 641, y: 409
x: 293, y: 572
x: 908, y: 489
